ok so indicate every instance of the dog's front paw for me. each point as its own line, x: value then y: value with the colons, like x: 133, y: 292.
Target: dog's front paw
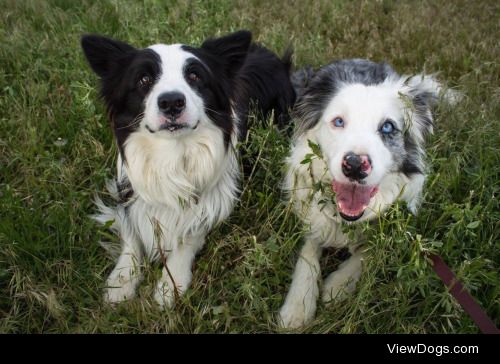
x: 339, y: 285
x: 295, y: 314
x: 164, y: 295
x: 118, y: 290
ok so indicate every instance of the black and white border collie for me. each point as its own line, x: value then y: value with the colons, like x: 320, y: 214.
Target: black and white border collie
x: 177, y: 113
x: 360, y: 132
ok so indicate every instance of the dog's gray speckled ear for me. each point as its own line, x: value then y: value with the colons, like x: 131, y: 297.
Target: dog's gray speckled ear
x: 424, y: 92
x: 301, y: 78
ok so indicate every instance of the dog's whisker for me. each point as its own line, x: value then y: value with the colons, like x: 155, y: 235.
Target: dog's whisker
x: 137, y: 120
x: 215, y: 112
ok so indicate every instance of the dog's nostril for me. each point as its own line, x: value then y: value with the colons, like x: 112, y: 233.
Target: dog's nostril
x: 365, y: 163
x: 163, y: 104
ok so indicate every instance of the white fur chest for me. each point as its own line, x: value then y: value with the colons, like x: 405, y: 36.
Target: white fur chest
x: 184, y: 186
x: 173, y: 171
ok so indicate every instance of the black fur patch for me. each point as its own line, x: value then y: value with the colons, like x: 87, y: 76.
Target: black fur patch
x: 125, y: 191
x: 264, y: 80
x: 409, y: 165
x: 120, y: 67
x: 261, y: 78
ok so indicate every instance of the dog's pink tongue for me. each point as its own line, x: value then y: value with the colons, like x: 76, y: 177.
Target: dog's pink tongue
x: 352, y: 198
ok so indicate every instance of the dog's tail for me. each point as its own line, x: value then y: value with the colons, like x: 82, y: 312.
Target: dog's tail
x: 110, y: 217
x: 286, y: 58
x: 287, y: 96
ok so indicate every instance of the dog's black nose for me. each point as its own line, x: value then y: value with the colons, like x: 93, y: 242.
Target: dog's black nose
x: 172, y: 104
x: 356, y: 166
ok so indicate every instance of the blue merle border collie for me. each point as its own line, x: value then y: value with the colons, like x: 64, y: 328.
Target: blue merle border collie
x: 177, y: 113
x: 360, y: 130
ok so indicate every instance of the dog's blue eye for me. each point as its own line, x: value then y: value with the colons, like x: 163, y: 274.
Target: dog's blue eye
x: 338, y: 122
x: 387, y: 127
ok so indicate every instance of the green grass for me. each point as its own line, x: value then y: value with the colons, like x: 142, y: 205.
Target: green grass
x: 52, y: 268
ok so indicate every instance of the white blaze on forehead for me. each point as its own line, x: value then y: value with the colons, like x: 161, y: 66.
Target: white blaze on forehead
x: 173, y: 60
x: 172, y: 79
x: 365, y: 107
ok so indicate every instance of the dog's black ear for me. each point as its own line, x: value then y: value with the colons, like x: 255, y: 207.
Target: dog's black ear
x: 103, y: 53
x: 230, y: 50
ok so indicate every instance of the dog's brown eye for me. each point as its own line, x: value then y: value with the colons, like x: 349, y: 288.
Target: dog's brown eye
x: 145, y: 82
x: 193, y: 77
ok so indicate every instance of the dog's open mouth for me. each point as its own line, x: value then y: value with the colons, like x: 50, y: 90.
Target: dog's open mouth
x: 352, y: 199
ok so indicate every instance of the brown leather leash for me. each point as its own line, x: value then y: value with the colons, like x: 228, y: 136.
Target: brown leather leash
x: 468, y: 303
